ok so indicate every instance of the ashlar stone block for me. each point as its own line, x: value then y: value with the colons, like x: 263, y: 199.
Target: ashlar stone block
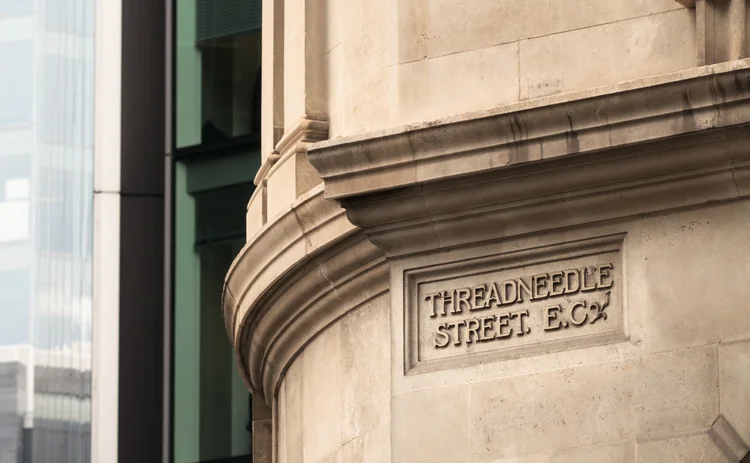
x: 432, y: 425
x: 639, y: 398
x: 321, y: 415
x: 624, y: 50
x: 365, y: 363
x: 696, y: 268
x: 620, y: 452
x: 684, y: 449
x: 734, y: 375
x: 449, y: 85
x: 432, y: 28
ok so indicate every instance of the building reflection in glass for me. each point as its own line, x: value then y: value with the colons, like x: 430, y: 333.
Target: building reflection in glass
x: 46, y: 205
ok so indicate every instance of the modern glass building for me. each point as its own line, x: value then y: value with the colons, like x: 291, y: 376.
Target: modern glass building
x: 46, y: 228
x: 216, y: 153
x: 129, y: 139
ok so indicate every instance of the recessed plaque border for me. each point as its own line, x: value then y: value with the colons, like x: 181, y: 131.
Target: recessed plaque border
x: 548, y: 253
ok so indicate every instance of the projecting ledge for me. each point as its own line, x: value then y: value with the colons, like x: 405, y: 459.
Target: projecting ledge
x: 589, y: 121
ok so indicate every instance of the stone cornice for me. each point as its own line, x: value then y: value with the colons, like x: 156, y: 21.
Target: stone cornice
x: 677, y: 143
x: 562, y: 125
x: 301, y: 305
x: 302, y: 229
x: 306, y: 267
x: 571, y: 191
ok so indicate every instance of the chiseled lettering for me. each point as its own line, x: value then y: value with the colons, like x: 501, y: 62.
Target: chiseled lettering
x: 449, y: 298
x: 462, y: 299
x: 457, y: 325
x: 477, y: 293
x: 492, y: 296
x: 557, y: 286
x: 521, y: 290
x: 571, y: 285
x: 486, y: 327
x: 603, y: 271
x: 472, y: 328
x: 442, y: 336
x: 575, y: 319
x: 523, y: 286
x: 431, y: 299
x: 539, y: 283
x: 584, y: 279
x: 502, y: 322
x: 522, y: 329
x: 550, y: 316
x: 509, y: 292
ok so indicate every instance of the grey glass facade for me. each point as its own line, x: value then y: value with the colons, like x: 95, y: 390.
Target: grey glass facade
x: 46, y: 210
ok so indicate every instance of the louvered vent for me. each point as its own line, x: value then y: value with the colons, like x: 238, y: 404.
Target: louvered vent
x: 224, y: 18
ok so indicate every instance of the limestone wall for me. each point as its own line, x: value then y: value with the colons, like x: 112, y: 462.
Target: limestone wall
x: 334, y: 402
x: 345, y: 67
x: 393, y: 62
x: 674, y: 390
x: 665, y: 395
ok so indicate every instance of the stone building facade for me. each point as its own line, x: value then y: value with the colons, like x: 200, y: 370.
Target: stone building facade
x: 499, y: 231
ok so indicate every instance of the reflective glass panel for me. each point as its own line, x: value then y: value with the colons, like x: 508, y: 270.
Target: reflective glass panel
x: 46, y: 206
x: 217, y: 71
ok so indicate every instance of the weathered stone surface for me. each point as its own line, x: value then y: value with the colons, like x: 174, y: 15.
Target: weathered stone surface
x: 594, y: 405
x: 432, y: 28
x: 432, y: 425
x: 541, y: 413
x: 292, y: 420
x: 465, y: 135
x: 625, y: 50
x: 696, y: 270
x: 263, y: 441
x: 321, y: 399
x: 439, y: 87
x: 621, y: 452
x: 685, y: 449
x: 365, y: 365
x: 734, y: 375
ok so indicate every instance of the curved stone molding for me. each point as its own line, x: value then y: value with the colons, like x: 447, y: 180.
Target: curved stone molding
x: 640, y: 111
x: 309, y: 129
x: 344, y: 277
x: 305, y: 268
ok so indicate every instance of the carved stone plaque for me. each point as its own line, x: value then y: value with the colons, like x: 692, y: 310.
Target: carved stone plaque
x: 519, y: 303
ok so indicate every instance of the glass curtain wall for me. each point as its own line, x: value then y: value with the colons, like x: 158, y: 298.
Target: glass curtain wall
x: 46, y: 205
x: 217, y: 153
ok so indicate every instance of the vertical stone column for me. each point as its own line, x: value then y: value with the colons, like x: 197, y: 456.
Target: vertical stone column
x: 305, y: 84
x: 721, y: 29
x: 262, y: 431
x: 304, y: 100
x: 272, y: 111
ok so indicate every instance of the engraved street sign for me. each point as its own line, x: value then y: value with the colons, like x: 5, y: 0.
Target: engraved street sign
x: 521, y: 303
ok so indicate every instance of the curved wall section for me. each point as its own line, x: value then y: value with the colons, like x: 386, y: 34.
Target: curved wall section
x: 333, y: 404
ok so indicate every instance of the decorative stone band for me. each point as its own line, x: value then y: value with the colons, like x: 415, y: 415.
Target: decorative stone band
x: 305, y: 268
x: 656, y: 144
x: 593, y: 120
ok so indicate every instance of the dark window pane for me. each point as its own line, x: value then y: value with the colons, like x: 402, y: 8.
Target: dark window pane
x: 217, y: 77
